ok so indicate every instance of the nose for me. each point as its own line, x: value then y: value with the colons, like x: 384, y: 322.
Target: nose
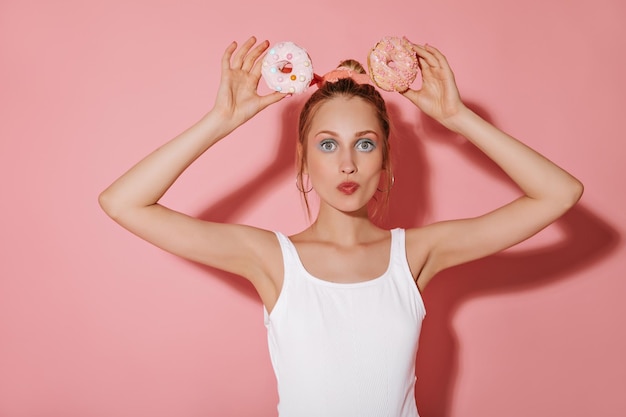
x: 347, y: 165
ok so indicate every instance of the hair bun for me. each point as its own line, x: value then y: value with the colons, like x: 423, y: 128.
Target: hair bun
x: 353, y: 65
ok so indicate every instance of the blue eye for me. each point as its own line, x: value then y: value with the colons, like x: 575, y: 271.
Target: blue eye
x: 328, y: 145
x: 365, y: 145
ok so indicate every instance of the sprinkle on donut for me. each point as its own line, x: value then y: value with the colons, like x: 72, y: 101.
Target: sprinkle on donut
x: 393, y: 64
x: 287, y: 68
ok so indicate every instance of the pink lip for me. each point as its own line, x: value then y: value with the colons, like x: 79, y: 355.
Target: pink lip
x: 348, y: 187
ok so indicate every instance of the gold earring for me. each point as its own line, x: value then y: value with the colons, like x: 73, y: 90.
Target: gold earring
x: 393, y: 180
x: 299, y: 177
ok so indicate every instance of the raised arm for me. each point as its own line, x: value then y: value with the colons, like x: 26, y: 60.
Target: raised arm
x: 548, y: 190
x: 132, y: 200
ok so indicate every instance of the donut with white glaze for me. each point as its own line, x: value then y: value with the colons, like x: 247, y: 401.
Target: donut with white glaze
x: 287, y: 68
x: 393, y: 64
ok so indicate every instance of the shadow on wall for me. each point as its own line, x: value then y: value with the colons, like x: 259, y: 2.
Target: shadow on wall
x: 228, y: 208
x: 587, y: 240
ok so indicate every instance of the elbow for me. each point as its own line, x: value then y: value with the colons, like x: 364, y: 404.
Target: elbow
x: 572, y: 193
x: 580, y: 189
x: 117, y: 206
x: 107, y: 204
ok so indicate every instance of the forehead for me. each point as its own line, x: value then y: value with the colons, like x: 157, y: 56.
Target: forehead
x: 345, y: 115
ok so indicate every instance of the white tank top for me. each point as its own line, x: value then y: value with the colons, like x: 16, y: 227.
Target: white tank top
x: 346, y: 350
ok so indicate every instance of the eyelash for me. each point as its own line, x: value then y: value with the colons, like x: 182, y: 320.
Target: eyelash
x: 325, y: 142
x: 359, y: 145
x: 371, y: 145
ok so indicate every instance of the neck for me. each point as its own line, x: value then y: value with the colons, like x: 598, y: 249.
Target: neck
x: 343, y: 228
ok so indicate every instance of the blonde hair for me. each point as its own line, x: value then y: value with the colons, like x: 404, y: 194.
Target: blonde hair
x: 352, y: 64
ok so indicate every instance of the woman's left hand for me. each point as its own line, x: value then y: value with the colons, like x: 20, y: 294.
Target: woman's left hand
x: 438, y: 96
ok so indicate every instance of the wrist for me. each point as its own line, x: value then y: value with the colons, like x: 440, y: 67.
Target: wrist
x: 460, y: 119
x: 217, y: 124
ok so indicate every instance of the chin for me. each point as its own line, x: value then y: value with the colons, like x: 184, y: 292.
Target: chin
x: 353, y: 208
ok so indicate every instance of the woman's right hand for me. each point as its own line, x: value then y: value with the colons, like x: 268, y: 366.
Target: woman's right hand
x: 237, y: 97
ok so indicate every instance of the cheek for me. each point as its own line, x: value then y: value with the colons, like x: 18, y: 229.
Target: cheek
x: 317, y: 162
x: 318, y: 168
x: 373, y: 164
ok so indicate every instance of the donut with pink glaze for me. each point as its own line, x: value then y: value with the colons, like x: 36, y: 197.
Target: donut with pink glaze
x: 393, y: 64
x: 287, y: 68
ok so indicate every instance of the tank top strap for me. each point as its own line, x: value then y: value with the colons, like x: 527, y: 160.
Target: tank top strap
x: 399, y: 262
x: 398, y: 248
x: 289, y: 253
x: 290, y: 257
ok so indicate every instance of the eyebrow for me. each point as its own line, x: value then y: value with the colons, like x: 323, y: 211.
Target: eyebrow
x: 357, y: 134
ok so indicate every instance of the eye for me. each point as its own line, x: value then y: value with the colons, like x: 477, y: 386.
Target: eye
x: 328, y: 145
x: 365, y: 145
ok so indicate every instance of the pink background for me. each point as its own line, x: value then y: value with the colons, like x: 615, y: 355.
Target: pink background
x: 95, y: 322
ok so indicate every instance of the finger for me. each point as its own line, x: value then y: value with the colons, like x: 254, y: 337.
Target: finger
x: 420, y: 52
x: 257, y: 67
x: 441, y: 58
x: 252, y: 57
x: 272, y: 98
x: 410, y: 94
x: 421, y: 61
x: 242, y: 52
x: 426, y: 55
x: 228, y: 53
x: 423, y: 64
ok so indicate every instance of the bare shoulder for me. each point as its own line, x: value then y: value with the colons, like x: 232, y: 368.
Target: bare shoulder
x: 262, y: 248
x: 265, y: 270
x: 417, y: 242
x: 250, y: 252
x: 267, y: 248
x: 419, y: 245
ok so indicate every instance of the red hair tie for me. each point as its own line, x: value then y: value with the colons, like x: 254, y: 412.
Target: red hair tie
x: 339, y: 73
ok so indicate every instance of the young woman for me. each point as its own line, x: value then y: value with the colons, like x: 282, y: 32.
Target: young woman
x: 342, y: 298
